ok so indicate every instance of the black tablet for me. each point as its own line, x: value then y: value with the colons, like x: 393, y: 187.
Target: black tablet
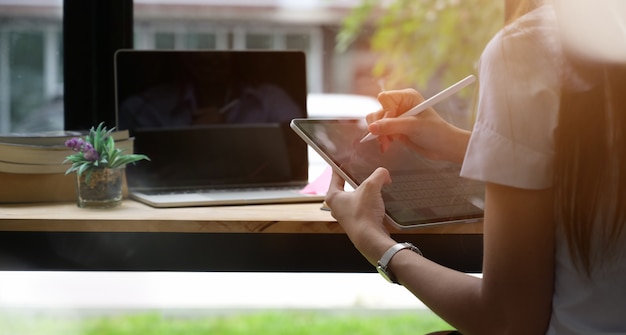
x: 423, y: 192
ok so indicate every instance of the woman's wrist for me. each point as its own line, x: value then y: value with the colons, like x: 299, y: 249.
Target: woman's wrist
x: 376, y: 248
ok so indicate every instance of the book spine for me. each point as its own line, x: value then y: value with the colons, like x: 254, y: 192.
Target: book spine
x: 45, y: 155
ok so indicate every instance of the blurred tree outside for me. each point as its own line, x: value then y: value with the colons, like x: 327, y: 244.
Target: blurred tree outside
x: 426, y: 44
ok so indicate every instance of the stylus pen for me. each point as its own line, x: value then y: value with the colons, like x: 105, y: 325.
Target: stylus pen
x: 424, y: 105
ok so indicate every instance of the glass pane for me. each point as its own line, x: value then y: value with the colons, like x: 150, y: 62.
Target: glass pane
x: 28, y: 107
x: 164, y: 41
x: 201, y: 41
x: 298, y: 42
x: 259, y: 41
x: 31, y: 69
x: 26, y: 79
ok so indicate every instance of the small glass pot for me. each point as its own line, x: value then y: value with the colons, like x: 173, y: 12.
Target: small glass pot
x: 102, y: 188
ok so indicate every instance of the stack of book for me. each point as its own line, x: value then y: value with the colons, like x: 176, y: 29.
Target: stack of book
x: 32, y: 167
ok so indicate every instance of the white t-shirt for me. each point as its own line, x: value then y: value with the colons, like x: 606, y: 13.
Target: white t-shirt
x: 513, y: 144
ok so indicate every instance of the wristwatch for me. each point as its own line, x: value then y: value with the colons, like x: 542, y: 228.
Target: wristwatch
x: 383, y: 263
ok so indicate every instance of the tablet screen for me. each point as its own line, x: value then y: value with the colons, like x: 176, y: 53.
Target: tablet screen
x: 423, y: 191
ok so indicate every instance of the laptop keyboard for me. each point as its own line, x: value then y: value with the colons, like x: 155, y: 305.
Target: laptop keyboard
x: 223, y: 189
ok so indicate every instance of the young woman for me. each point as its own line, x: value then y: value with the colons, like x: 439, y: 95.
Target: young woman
x: 549, y: 143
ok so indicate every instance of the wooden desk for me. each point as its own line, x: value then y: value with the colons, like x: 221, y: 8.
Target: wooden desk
x: 284, y: 237
x: 133, y: 216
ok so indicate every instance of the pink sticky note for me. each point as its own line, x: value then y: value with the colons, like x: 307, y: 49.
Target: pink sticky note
x: 320, y: 184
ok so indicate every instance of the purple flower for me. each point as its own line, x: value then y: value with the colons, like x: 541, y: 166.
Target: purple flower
x: 75, y: 143
x: 90, y: 153
x: 78, y: 144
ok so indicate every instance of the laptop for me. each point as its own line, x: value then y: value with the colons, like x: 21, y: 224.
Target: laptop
x: 215, y: 125
x: 423, y: 192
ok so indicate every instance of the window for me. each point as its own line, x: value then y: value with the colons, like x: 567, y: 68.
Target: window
x: 158, y: 31
x: 33, y: 96
x: 31, y: 67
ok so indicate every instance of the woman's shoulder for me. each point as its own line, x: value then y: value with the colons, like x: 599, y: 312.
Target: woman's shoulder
x: 532, y: 34
x: 528, y: 45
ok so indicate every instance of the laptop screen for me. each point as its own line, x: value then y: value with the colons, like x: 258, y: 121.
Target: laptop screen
x: 212, y: 118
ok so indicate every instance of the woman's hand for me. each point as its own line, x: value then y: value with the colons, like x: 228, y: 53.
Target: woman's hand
x: 427, y: 133
x: 361, y: 213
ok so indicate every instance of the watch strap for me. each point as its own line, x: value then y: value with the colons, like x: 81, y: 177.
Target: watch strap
x: 383, y: 263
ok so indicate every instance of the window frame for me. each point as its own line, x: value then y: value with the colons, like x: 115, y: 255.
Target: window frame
x: 92, y: 32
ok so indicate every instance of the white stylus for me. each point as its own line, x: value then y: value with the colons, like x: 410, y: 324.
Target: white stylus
x: 424, y: 105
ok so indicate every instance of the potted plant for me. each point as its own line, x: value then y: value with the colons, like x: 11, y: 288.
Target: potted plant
x: 99, y: 167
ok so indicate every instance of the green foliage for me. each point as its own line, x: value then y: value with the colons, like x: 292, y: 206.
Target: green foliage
x: 261, y: 322
x: 425, y: 39
x: 97, y: 151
